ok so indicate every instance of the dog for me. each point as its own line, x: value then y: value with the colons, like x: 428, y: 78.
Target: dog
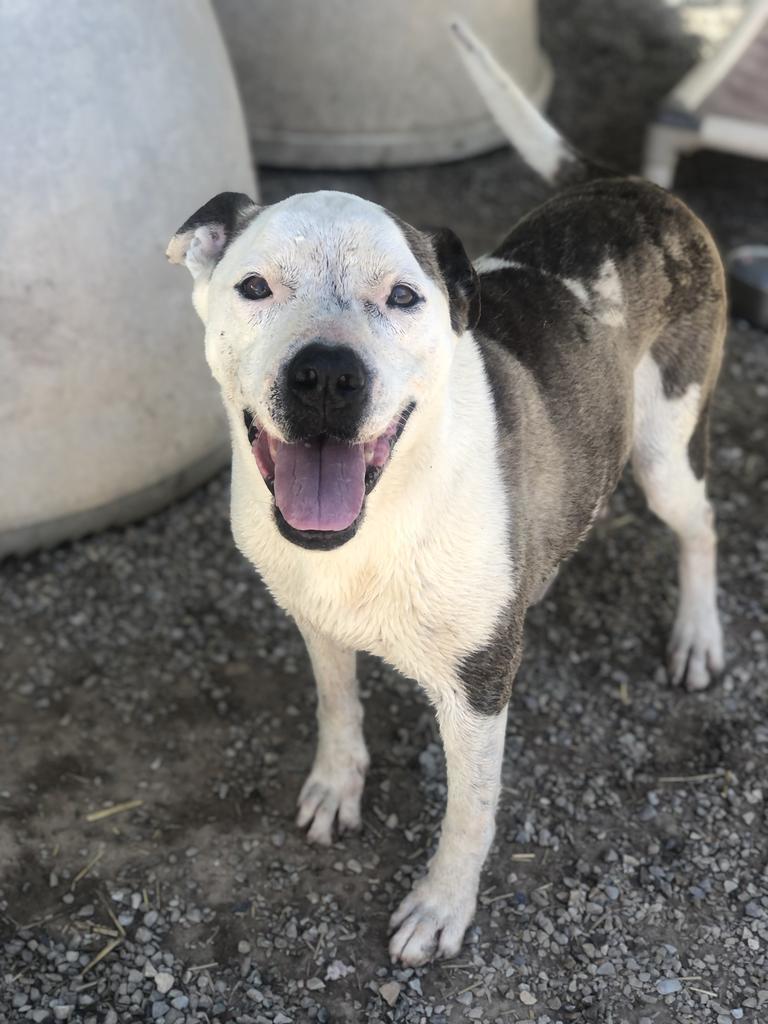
x: 419, y: 442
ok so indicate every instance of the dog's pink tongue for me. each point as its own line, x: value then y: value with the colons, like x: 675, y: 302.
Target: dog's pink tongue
x: 319, y: 485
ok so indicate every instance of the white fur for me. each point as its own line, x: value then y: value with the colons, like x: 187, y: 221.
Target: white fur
x: 416, y: 586
x: 663, y: 427
x: 366, y: 595
x: 432, y: 919
x: 199, y: 250
x: 575, y: 287
x: 487, y: 264
x: 328, y: 258
x: 609, y: 295
x: 334, y: 787
x: 331, y: 260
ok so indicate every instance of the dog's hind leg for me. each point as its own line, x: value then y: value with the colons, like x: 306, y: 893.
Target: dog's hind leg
x: 333, y: 791
x: 669, y: 462
x: 432, y: 919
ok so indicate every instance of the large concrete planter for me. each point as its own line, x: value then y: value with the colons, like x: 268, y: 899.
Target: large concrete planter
x: 120, y: 119
x: 351, y: 84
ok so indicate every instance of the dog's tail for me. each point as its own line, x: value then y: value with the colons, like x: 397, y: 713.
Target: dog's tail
x: 536, y: 140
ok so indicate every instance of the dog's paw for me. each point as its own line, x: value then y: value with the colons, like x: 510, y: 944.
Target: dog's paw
x: 430, y: 922
x: 696, y: 650
x: 332, y: 796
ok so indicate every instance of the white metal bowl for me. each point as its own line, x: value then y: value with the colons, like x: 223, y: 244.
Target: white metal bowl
x: 353, y: 83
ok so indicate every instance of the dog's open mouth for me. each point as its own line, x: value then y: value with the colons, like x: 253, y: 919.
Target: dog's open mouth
x: 320, y: 484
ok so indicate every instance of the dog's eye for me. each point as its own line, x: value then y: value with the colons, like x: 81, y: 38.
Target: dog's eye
x: 403, y: 297
x: 254, y: 287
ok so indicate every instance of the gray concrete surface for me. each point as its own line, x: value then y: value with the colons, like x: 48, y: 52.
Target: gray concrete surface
x: 627, y: 883
x: 120, y: 120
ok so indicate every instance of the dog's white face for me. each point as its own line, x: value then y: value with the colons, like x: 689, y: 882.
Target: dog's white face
x: 326, y: 328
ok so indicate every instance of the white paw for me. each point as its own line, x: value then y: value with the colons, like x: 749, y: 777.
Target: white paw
x: 696, y: 649
x: 431, y: 921
x: 332, y: 794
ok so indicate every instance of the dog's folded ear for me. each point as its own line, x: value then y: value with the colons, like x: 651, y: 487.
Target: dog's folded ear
x: 460, y: 279
x: 200, y: 241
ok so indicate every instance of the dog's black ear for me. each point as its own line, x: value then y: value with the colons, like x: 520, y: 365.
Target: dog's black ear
x: 200, y: 241
x: 460, y: 279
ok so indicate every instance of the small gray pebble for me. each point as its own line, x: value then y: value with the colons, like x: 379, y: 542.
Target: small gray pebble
x: 164, y: 982
x: 666, y: 986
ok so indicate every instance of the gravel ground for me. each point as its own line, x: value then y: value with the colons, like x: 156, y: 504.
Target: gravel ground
x: 149, y: 667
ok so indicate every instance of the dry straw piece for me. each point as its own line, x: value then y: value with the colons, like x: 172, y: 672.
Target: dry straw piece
x: 107, y: 812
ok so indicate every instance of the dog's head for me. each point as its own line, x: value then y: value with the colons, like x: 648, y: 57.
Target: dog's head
x: 329, y: 323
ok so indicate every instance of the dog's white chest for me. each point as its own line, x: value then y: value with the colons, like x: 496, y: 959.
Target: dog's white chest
x: 420, y: 606
x: 406, y: 613
x: 427, y: 578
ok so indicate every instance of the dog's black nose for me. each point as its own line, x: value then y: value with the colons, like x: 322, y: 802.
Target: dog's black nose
x: 321, y: 373
x: 326, y: 390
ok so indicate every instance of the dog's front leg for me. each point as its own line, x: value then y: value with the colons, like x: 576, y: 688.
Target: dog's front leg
x: 334, y: 789
x: 432, y: 919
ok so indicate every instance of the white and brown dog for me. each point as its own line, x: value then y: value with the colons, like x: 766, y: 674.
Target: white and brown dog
x: 418, y: 443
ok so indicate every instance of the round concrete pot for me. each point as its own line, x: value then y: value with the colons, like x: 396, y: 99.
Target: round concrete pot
x: 350, y: 84
x: 122, y: 118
